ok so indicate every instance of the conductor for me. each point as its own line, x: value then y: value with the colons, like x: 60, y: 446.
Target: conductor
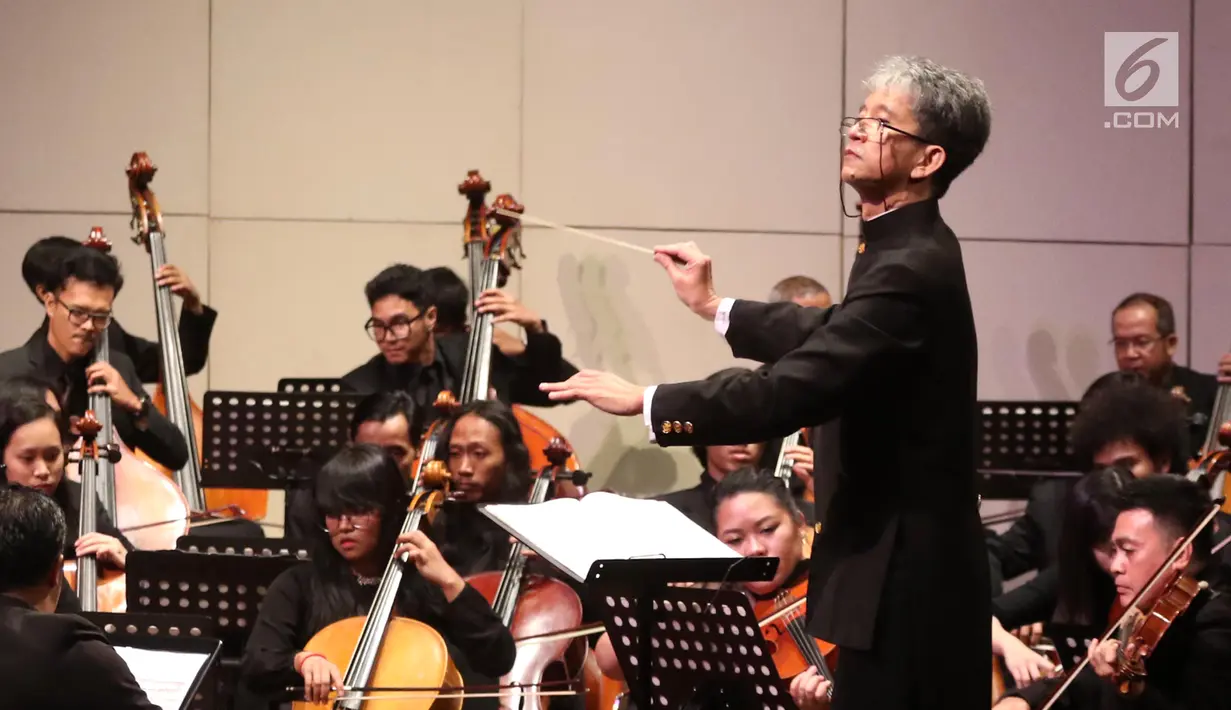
x: 900, y: 565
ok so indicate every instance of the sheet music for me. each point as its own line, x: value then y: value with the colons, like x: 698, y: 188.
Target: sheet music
x: 572, y: 533
x: 165, y: 676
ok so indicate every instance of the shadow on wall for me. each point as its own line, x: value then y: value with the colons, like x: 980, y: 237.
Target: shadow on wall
x: 1082, y: 364
x: 610, y: 337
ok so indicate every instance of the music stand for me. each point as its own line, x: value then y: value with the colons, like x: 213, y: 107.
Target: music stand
x: 229, y: 588
x: 245, y: 546
x: 1021, y: 444
x: 1072, y: 642
x: 169, y: 632
x: 688, y: 647
x: 313, y: 385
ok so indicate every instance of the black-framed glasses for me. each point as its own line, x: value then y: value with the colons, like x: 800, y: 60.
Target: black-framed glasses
x: 80, y: 316
x: 399, y: 326
x: 869, y: 124
x: 1140, y: 343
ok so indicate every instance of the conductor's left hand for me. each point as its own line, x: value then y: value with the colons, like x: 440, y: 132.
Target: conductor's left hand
x: 423, y: 553
x: 810, y: 690
x: 606, y: 391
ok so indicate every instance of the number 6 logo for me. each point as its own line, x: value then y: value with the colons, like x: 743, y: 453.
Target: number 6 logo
x: 1134, y: 62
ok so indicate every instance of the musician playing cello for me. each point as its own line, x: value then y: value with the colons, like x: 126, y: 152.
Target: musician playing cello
x: 78, y: 309
x: 41, y: 265
x: 361, y: 500
x: 897, y: 360
x: 1188, y: 667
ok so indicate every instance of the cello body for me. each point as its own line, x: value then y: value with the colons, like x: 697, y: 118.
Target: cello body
x: 112, y: 587
x: 412, y: 655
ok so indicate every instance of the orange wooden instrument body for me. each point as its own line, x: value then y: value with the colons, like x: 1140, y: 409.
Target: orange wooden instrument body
x: 784, y: 635
x: 412, y: 655
x: 150, y: 509
x: 112, y: 587
x: 1149, y: 628
x: 255, y: 503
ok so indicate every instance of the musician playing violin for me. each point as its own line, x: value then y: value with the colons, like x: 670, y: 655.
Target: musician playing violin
x: 32, y: 440
x: 50, y: 661
x: 361, y: 499
x: 1188, y: 667
x: 78, y: 306
x: 41, y: 265
x: 755, y: 516
x: 415, y: 359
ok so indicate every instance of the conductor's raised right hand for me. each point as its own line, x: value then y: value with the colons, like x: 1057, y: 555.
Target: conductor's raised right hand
x: 691, y: 275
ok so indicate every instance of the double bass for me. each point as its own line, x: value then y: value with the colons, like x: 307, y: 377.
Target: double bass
x: 535, y: 604
x: 383, y: 651
x: 492, y: 247
x: 171, y: 397
x: 784, y: 467
x: 137, y: 497
x: 97, y: 592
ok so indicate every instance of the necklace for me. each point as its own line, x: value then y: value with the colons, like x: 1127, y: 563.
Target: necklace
x: 367, y: 581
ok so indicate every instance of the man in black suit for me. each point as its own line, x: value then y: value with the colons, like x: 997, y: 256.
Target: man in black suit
x: 901, y: 561
x: 414, y: 358
x: 78, y: 309
x: 50, y: 660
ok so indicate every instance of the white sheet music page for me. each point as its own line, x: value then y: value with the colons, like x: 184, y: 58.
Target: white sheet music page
x: 574, y: 533
x: 165, y: 676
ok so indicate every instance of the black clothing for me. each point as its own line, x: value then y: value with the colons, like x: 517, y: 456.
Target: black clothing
x: 61, y: 661
x: 516, y: 379
x: 68, y: 495
x: 1197, y: 390
x: 1186, y: 671
x: 698, y: 502
x: 161, y: 440
x: 901, y: 560
x: 194, y: 330
x: 479, y: 644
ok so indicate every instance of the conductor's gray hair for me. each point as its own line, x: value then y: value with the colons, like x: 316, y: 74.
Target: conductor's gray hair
x: 952, y: 110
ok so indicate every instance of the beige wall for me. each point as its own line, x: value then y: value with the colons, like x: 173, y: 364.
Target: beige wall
x: 305, y: 145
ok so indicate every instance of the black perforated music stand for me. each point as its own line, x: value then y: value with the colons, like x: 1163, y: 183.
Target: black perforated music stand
x: 271, y: 440
x: 229, y: 588
x: 169, y: 632
x: 682, y: 647
x: 1072, y: 642
x: 313, y: 385
x: 1021, y: 444
x: 245, y: 546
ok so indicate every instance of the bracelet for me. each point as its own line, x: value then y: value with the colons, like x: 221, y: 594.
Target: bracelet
x: 305, y: 660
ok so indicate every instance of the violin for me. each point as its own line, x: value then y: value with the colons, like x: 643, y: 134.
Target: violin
x: 134, y: 494
x: 171, y: 397
x: 492, y: 247
x: 109, y: 592
x: 1215, y: 458
x: 382, y: 652
x: 536, y: 604
x: 792, y: 647
x: 1143, y: 625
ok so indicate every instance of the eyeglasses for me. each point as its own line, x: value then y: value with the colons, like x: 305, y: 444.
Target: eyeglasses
x: 358, y: 521
x: 1139, y: 344
x: 378, y: 330
x: 867, y: 125
x: 79, y: 316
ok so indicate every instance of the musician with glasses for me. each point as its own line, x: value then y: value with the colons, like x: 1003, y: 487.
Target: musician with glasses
x: 78, y: 306
x: 1143, y: 335
x: 416, y: 359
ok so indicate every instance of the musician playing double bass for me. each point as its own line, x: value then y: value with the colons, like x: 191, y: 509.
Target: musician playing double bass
x: 897, y: 360
x: 41, y: 266
x: 1188, y: 667
x: 415, y: 359
x: 78, y: 309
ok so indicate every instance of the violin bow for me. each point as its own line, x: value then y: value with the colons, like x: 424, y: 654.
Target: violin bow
x: 1132, y: 607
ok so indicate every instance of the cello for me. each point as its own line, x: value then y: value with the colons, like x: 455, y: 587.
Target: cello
x: 105, y: 592
x: 783, y: 469
x: 492, y: 246
x: 535, y: 604
x: 384, y: 651
x: 136, y: 496
x: 171, y: 397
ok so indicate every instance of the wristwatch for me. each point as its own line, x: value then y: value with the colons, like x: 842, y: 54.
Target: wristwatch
x: 144, y: 410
